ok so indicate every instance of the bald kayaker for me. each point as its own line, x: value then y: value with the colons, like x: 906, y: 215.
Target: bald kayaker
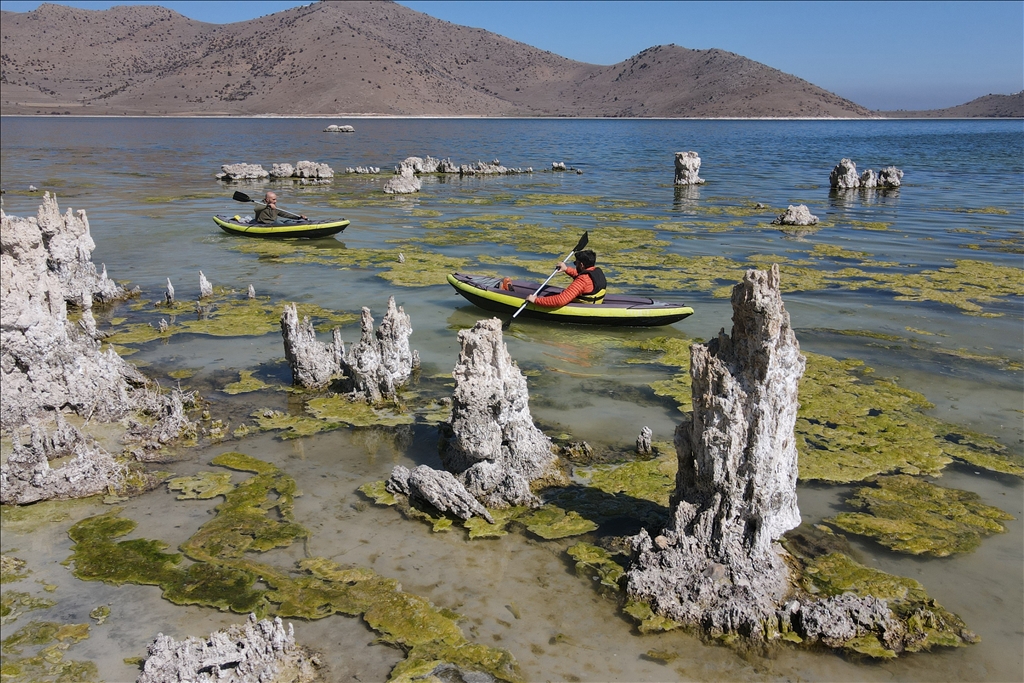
x: 588, y: 283
x: 267, y: 213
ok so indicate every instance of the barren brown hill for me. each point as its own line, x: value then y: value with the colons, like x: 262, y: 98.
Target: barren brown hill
x: 333, y: 58
x: 988, y: 106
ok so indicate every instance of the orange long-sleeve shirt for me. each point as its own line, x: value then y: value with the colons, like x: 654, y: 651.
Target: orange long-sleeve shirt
x: 581, y: 284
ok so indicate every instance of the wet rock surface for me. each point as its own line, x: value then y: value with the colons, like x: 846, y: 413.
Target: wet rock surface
x: 844, y: 175
x: 491, y: 443
x: 256, y: 651
x: 404, y: 182
x: 439, y: 489
x: 313, y: 363
x: 717, y: 564
x: 890, y: 177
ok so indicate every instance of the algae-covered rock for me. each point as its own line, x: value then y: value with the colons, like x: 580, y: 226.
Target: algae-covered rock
x: 599, y: 563
x: 916, y: 517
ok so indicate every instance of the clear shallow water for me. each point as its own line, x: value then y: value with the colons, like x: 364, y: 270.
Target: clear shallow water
x: 149, y: 191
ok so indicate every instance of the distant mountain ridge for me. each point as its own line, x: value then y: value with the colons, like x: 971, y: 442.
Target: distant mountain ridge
x: 336, y: 58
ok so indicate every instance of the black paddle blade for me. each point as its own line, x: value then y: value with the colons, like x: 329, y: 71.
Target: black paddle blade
x: 581, y: 244
x: 242, y: 197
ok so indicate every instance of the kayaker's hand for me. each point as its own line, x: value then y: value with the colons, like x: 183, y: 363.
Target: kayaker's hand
x: 302, y: 216
x: 532, y: 298
x: 561, y: 266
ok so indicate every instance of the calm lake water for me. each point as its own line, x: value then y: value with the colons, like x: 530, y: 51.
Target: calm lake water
x: 149, y: 190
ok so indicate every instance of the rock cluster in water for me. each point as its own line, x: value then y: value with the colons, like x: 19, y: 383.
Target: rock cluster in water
x: 373, y: 369
x: 335, y: 128
x: 844, y: 177
x: 304, y: 170
x: 49, y: 365
x: 490, y: 442
x: 404, y: 181
x: 718, y: 564
x: 796, y: 215
x: 259, y: 651
x: 687, y: 168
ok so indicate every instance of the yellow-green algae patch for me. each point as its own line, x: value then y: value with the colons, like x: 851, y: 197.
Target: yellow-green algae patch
x: 100, y: 614
x: 257, y: 516
x: 357, y: 413
x: 899, y: 342
x: 12, y: 569
x: 651, y: 480
x: 202, y: 486
x: 551, y: 522
x: 225, y: 317
x: 15, y: 603
x: 376, y: 491
x: 246, y: 384
x: 291, y: 426
x: 648, y: 620
x: 913, y: 516
x: 928, y: 623
x: 592, y: 561
x: 49, y: 642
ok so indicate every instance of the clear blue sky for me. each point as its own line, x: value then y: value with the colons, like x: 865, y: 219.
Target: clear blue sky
x: 883, y: 55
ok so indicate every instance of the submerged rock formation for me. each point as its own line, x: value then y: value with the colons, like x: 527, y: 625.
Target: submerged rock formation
x: 687, y: 168
x: 490, y: 442
x: 438, y: 488
x: 796, y: 215
x: 718, y: 564
x: 844, y: 175
x: 261, y: 651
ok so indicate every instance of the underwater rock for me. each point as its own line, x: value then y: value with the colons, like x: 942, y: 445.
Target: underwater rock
x: 404, y: 182
x: 313, y: 363
x: 282, y: 171
x: 27, y: 477
x: 46, y: 363
x: 796, y: 215
x: 490, y: 442
x: 380, y: 361
x: 438, y: 488
x: 334, y: 128
x: 558, y: 166
x: 168, y: 422
x: 890, y: 177
x: 868, y: 179
x: 838, y: 619
x: 844, y: 175
x: 312, y: 169
x: 258, y: 651
x: 643, y: 441
x: 687, y: 167
x: 230, y: 172
x: 717, y: 564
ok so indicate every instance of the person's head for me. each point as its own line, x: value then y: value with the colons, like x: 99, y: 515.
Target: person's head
x: 270, y: 198
x: 586, y: 258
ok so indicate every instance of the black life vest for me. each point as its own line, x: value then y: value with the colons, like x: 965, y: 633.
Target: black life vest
x: 596, y: 295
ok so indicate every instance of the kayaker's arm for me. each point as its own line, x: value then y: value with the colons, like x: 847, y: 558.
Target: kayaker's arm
x: 581, y: 285
x: 289, y: 214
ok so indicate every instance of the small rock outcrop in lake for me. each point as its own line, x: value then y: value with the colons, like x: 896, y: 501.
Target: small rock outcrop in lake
x: 313, y: 169
x: 844, y: 175
x: 373, y: 170
x: 484, y: 168
x: 438, y: 488
x: 868, y: 179
x: 890, y: 177
x: 687, y: 169
x: 205, y: 288
x: 490, y: 442
x: 404, y: 181
x: 643, y: 441
x: 261, y: 651
x: 796, y: 215
x: 313, y: 363
x: 334, y: 128
x: 282, y: 171
x: 380, y: 361
x: 558, y: 166
x: 717, y: 564
x: 242, y: 172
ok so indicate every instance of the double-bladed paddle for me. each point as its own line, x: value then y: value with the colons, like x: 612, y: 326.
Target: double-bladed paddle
x: 243, y: 197
x: 579, y: 247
